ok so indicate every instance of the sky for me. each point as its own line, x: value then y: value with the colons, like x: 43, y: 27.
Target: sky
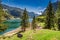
x: 31, y: 5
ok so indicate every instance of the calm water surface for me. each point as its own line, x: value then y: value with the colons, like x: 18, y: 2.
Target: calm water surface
x: 13, y: 24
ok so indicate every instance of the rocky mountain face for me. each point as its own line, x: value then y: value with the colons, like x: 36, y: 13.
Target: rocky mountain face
x: 17, y: 12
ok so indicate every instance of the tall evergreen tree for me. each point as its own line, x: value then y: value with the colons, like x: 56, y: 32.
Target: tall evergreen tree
x: 25, y: 20
x: 49, y: 23
x: 58, y: 14
x: 34, y: 23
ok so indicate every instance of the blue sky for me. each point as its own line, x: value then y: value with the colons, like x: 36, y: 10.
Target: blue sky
x: 31, y: 5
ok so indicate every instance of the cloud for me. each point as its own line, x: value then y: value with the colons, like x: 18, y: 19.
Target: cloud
x: 39, y: 10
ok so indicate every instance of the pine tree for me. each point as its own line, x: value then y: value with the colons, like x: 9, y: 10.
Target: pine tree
x: 25, y: 20
x: 34, y: 23
x: 58, y: 14
x: 49, y: 23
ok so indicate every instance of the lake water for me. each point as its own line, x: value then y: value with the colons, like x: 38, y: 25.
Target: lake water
x: 13, y: 24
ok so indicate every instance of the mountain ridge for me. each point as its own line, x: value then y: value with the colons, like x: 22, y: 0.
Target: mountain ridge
x: 17, y: 12
x: 54, y: 8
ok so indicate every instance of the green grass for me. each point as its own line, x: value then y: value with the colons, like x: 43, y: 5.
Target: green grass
x: 41, y: 24
x: 38, y: 35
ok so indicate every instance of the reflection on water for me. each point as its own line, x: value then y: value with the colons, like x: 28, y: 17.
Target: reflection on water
x: 13, y: 24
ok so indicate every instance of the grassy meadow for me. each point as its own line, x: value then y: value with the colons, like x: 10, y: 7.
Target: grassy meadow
x: 42, y: 34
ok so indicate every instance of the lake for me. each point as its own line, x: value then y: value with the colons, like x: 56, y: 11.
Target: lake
x: 12, y: 24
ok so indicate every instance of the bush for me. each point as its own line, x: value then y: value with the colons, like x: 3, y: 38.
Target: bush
x: 3, y: 27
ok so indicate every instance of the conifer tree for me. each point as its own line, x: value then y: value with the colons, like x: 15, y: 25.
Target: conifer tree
x: 34, y: 23
x: 25, y: 20
x: 49, y: 23
x: 58, y: 14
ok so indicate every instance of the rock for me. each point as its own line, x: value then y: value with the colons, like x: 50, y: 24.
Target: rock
x: 19, y: 35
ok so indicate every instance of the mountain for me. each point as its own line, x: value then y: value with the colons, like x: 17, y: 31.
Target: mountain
x: 54, y: 7
x: 32, y: 14
x: 17, y: 12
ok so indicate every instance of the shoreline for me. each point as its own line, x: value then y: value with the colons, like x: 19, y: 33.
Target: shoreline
x: 11, y: 33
